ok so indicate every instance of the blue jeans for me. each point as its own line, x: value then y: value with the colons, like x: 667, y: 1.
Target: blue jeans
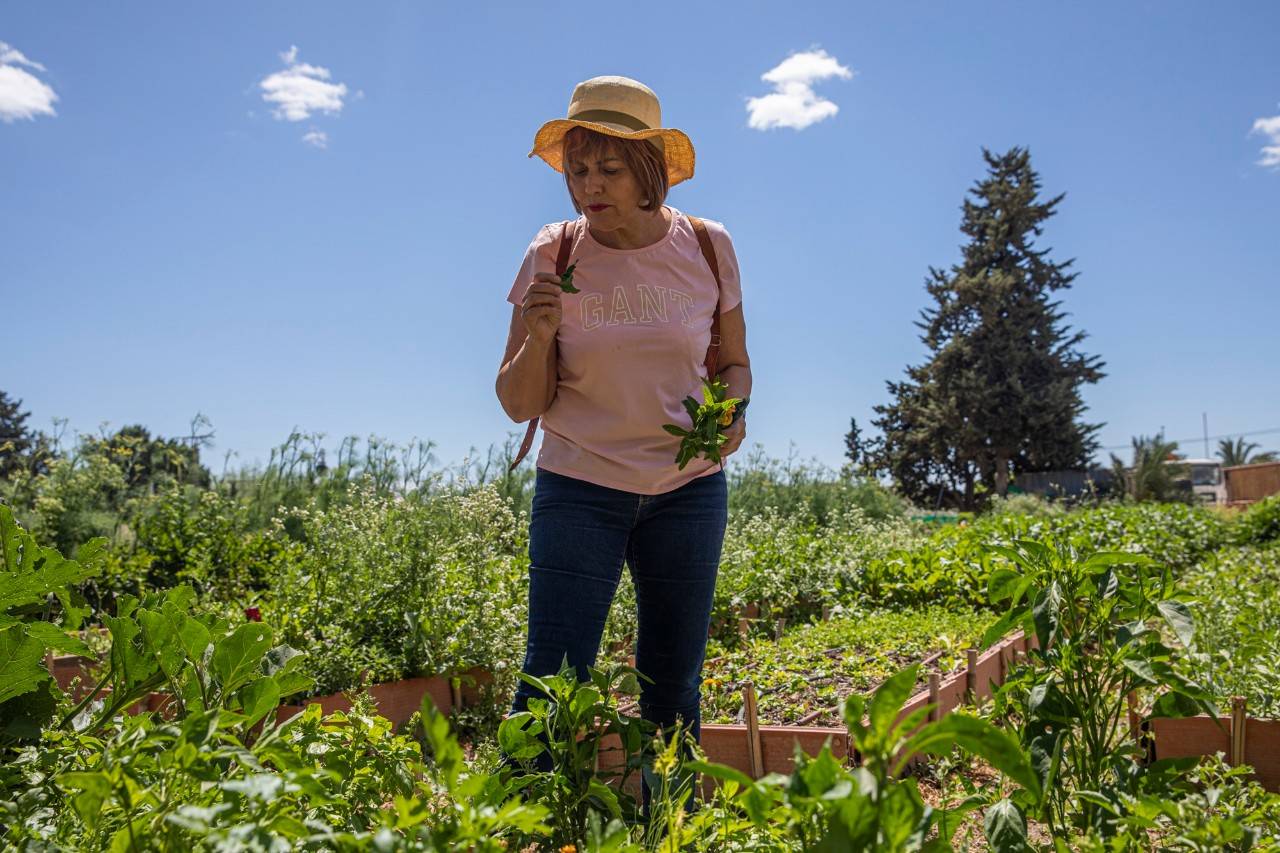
x: 579, y: 536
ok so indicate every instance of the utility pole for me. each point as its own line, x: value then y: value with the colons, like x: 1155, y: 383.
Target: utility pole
x: 1205, y: 419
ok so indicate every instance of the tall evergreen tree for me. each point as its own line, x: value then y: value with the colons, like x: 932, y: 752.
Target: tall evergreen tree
x: 1000, y: 391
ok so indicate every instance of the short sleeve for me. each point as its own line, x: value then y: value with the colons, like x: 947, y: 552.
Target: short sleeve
x: 727, y: 258
x: 539, y: 256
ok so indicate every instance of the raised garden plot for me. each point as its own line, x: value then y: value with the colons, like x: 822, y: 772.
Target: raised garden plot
x: 800, y: 678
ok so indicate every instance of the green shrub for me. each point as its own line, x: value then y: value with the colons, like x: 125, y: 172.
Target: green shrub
x: 790, y: 564
x: 759, y: 483
x: 209, y: 540
x: 386, y: 588
x: 1261, y: 522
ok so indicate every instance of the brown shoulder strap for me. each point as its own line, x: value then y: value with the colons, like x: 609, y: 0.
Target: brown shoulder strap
x: 709, y: 252
x: 562, y: 264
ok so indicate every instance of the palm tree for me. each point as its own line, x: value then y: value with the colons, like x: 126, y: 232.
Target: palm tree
x: 1240, y: 452
x: 1150, y: 477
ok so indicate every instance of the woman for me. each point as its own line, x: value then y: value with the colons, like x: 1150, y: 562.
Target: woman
x: 605, y: 368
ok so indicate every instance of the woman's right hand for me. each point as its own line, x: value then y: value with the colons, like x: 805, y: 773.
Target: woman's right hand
x: 541, y: 308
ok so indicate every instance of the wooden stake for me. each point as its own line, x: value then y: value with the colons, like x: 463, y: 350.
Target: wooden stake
x: 755, y: 753
x: 744, y: 627
x: 826, y: 613
x: 455, y: 692
x: 971, y: 674
x: 779, y: 628
x: 1237, y: 730
x: 935, y: 712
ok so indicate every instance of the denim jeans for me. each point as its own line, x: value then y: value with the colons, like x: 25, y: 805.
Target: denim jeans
x: 579, y: 536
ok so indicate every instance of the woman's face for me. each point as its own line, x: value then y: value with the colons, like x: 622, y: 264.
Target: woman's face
x: 605, y: 189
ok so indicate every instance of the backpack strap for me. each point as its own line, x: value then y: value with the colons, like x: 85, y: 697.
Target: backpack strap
x: 713, y: 349
x: 709, y: 252
x: 562, y: 264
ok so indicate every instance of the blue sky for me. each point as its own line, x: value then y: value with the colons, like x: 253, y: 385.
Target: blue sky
x: 169, y: 244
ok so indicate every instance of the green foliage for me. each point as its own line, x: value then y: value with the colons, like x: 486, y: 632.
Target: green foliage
x: 208, y: 539
x: 824, y: 806
x: 954, y: 564
x: 1151, y: 476
x: 32, y: 580
x: 790, y: 564
x: 1260, y: 523
x: 1025, y: 505
x: 1236, y: 593
x: 1001, y: 386
x: 387, y: 588
x: 1211, y: 808
x: 758, y: 483
x: 1241, y: 452
x: 569, y: 721
x: 1100, y: 621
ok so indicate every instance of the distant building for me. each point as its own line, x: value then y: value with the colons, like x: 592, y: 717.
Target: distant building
x: 1057, y: 485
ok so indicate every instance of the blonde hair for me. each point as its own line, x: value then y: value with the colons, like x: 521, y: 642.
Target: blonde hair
x: 642, y: 157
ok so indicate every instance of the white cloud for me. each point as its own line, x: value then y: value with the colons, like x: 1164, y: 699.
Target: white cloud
x: 301, y: 89
x: 22, y: 94
x: 318, y: 138
x: 793, y: 103
x: 1269, y: 127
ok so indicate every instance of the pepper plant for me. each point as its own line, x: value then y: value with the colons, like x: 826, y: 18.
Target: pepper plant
x: 823, y: 806
x: 567, y: 726
x: 1104, y: 625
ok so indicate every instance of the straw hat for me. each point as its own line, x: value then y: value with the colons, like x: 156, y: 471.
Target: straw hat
x: 620, y: 107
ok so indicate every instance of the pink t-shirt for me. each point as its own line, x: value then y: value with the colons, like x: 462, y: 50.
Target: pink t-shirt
x: 631, y: 347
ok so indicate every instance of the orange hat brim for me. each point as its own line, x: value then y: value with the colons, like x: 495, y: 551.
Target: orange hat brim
x: 677, y: 148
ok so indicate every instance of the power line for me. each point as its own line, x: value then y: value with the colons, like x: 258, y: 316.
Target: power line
x: 1202, y: 438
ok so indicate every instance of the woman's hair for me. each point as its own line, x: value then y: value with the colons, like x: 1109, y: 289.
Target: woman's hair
x: 642, y: 157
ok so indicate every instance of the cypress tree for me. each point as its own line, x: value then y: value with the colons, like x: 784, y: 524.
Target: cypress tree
x: 1001, y: 387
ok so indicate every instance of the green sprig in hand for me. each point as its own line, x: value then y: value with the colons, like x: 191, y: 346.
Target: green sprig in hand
x: 716, y: 411
x: 566, y: 280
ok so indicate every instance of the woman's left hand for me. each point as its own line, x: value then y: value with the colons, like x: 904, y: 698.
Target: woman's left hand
x: 734, y: 434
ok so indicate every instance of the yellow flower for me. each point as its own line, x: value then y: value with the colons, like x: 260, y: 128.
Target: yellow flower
x: 727, y: 417
x: 568, y: 848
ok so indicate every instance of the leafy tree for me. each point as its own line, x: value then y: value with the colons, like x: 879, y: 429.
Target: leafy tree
x: 1151, y: 477
x: 1241, y: 452
x: 1001, y: 386
x: 148, y: 462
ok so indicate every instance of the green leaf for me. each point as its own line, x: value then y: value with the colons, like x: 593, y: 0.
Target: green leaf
x: 675, y: 430
x: 1141, y: 668
x: 236, y: 657
x: 53, y: 637
x: 1006, y: 828
x: 982, y: 739
x: 10, y: 539
x: 94, y: 788
x: 23, y: 717
x: 161, y: 638
x: 720, y: 771
x: 1001, y: 627
x: 21, y: 663
x: 1178, y: 617
x: 854, y: 709
x: 889, y: 699
x: 194, y: 637
x: 258, y: 698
